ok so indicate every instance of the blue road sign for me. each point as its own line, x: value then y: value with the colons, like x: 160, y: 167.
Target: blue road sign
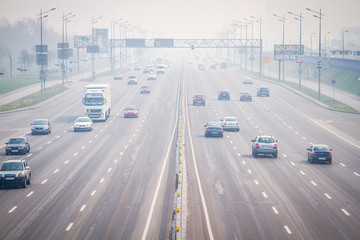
x: 333, y: 81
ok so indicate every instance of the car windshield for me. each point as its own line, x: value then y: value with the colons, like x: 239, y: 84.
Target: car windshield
x: 130, y: 108
x: 11, y: 166
x: 17, y: 141
x: 144, y: 87
x: 213, y: 124
x: 245, y: 93
x: 40, y: 122
x: 132, y: 77
x: 82, y: 119
x: 321, y: 148
x: 198, y: 96
x: 266, y: 140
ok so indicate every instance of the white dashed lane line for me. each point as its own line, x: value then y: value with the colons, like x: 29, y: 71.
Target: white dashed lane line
x: 13, y: 209
x: 30, y: 193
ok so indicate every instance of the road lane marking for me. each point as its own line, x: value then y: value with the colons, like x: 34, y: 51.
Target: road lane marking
x: 328, y: 196
x: 249, y: 171
x: 264, y: 194
x: 93, y: 193
x: 57, y: 136
x: 284, y: 155
x: 287, y: 229
x: 49, y: 142
x: 275, y: 210
x: 90, y: 141
x: 75, y: 154
x: 356, y: 174
x: 66, y: 162
x: 11, y: 210
x: 109, y: 170
x: 83, y: 147
x: 44, y: 181
x: 292, y: 163
x: 302, y: 173
x: 115, y: 161
x: 69, y: 227
x: 82, y: 208
x: 30, y: 193
x: 29, y: 155
x: 256, y: 182
x: 102, y: 180
x: 344, y: 211
x: 313, y: 183
x: 56, y: 170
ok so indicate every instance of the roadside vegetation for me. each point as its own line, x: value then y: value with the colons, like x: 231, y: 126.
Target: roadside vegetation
x: 33, y: 99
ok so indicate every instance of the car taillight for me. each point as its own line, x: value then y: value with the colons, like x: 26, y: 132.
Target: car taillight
x: 237, y: 123
x: 224, y: 123
x: 207, y: 128
x: 257, y: 145
x: 275, y: 145
x: 221, y: 129
x: 313, y: 153
x: 330, y: 154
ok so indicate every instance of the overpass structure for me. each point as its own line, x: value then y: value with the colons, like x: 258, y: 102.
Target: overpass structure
x: 191, y: 43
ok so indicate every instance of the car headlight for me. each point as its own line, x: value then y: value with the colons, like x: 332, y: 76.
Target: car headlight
x: 20, y: 174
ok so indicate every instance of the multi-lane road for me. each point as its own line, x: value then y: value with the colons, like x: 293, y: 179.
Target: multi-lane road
x: 117, y: 181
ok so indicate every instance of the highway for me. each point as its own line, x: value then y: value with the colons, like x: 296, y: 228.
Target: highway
x: 117, y: 181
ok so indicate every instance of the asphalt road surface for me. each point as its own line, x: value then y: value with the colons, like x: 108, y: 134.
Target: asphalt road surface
x: 117, y: 181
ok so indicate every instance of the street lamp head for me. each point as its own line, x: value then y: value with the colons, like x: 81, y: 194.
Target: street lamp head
x: 52, y: 9
x: 308, y: 9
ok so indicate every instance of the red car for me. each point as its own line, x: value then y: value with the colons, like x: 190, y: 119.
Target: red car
x: 131, y: 111
x: 199, y: 100
x: 245, y: 96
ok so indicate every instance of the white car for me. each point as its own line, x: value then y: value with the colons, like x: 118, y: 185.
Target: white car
x: 118, y: 76
x: 247, y: 80
x: 82, y: 124
x: 230, y: 124
x: 151, y: 76
x: 132, y: 80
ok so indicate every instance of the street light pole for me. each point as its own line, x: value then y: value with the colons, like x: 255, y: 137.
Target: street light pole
x: 282, y: 19
x: 42, y: 72
x: 343, y: 42
x: 92, y: 46
x: 252, y: 42
x: 318, y: 15
x: 299, y: 18
x: 10, y: 66
x: 260, y: 21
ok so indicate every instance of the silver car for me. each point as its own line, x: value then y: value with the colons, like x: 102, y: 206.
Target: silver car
x: 15, y: 172
x: 82, y: 124
x: 264, y: 144
x: 230, y: 124
x: 41, y: 126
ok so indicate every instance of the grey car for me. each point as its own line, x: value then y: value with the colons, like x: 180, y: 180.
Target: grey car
x: 17, y: 145
x: 213, y: 129
x: 230, y: 124
x: 265, y: 145
x: 41, y: 126
x: 15, y: 172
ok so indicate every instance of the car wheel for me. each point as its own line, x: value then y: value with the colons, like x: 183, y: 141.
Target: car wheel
x: 311, y: 160
x: 222, y: 135
x: 24, y: 184
x: 275, y: 155
x: 330, y: 161
x: 28, y: 181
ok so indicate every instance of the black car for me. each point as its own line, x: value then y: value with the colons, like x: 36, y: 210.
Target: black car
x: 224, y: 95
x: 319, y: 153
x: 15, y: 172
x: 17, y: 145
x: 214, y: 129
x: 263, y: 92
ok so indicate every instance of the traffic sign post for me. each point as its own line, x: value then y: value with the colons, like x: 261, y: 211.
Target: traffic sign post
x: 333, y: 84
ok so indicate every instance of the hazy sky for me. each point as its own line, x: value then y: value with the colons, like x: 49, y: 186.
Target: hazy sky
x: 193, y: 18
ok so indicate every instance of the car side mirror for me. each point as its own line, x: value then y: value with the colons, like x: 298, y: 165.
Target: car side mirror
x: 309, y: 149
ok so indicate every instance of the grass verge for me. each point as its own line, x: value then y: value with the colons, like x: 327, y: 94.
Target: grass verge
x: 333, y: 103
x: 33, y: 99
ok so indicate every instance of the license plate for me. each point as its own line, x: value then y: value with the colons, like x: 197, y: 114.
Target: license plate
x: 10, y: 178
x: 14, y: 150
x: 214, y: 132
x: 322, y: 158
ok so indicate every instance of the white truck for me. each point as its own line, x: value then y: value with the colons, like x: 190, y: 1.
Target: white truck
x: 97, y: 101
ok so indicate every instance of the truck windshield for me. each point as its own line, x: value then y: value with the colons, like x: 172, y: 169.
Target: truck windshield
x: 94, y: 99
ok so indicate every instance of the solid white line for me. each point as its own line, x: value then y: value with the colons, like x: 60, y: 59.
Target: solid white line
x: 11, y: 210
x: 160, y: 178
x: 344, y: 211
x: 275, y: 210
x: 287, y: 229
x: 327, y: 195
x: 30, y: 193
x: 69, y: 227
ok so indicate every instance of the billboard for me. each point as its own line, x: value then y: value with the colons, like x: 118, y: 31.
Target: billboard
x: 82, y: 41
x: 135, y: 42
x: 101, y: 35
x: 290, y: 52
x: 162, y: 42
